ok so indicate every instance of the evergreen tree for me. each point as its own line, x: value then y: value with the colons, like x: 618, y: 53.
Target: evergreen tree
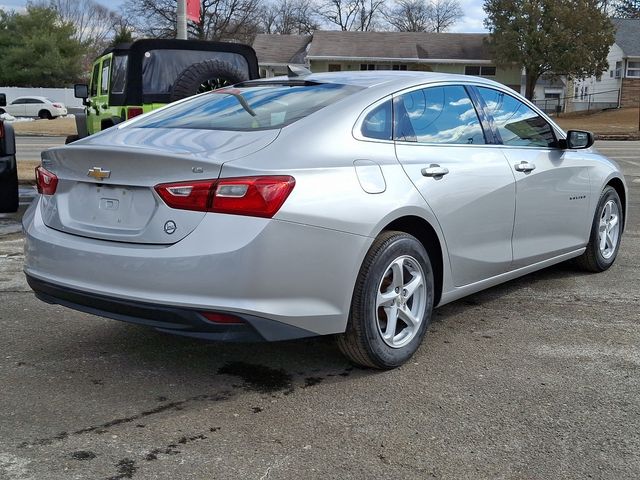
x: 38, y: 49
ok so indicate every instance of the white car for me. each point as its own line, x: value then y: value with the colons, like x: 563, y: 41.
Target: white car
x: 41, y: 107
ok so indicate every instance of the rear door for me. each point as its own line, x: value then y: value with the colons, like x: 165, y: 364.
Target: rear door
x: 465, y: 179
x: 552, y: 185
x: 34, y: 106
x: 93, y: 109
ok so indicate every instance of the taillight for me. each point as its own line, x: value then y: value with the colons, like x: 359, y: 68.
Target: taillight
x: 133, y: 112
x: 253, y: 196
x: 46, y: 181
x: 57, y: 105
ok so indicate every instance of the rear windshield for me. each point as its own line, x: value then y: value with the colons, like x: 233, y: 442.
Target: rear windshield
x: 262, y: 107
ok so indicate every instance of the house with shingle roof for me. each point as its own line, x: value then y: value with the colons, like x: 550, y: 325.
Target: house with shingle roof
x: 620, y: 83
x: 327, y: 51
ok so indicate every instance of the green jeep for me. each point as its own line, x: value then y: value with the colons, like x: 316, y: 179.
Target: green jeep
x: 135, y: 78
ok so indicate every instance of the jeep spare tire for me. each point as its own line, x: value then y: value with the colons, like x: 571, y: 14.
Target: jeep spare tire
x: 205, y: 76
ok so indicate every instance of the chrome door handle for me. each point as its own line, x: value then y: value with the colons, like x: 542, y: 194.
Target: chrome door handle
x: 524, y: 166
x: 434, y: 170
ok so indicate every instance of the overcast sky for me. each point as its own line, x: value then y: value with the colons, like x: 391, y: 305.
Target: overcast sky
x: 471, y: 22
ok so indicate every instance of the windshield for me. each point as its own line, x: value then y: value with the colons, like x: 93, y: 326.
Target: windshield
x: 249, y: 108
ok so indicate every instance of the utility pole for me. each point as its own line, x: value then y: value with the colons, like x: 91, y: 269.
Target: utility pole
x: 182, y: 20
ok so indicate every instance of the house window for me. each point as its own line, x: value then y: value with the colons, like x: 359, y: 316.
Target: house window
x: 618, y: 69
x: 610, y: 73
x: 633, y: 69
x: 488, y: 71
x: 334, y: 67
x: 367, y: 66
x: 373, y: 66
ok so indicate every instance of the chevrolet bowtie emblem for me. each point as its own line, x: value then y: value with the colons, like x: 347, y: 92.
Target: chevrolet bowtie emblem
x: 98, y: 173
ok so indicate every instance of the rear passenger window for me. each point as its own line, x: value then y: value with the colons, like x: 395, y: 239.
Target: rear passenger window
x: 517, y: 124
x: 378, y: 124
x: 437, y: 115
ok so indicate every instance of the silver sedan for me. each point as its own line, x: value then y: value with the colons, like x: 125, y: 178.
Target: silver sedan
x: 347, y: 203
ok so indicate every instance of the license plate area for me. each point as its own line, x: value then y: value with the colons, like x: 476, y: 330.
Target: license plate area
x: 111, y: 206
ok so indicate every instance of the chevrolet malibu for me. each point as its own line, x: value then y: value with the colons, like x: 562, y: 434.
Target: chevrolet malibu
x: 346, y: 203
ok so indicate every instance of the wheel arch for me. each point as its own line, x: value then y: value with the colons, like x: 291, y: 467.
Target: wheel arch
x: 618, y: 186
x: 426, y: 234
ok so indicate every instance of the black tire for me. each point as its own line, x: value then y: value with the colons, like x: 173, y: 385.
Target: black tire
x: 71, y: 139
x: 362, y: 341
x: 592, y: 260
x: 45, y: 115
x: 1, y: 111
x: 203, y: 76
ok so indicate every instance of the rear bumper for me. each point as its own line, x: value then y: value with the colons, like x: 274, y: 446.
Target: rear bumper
x: 166, y: 318
x: 283, y: 272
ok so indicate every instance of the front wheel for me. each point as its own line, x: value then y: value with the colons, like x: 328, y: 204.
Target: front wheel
x: 392, y: 303
x: 606, y: 231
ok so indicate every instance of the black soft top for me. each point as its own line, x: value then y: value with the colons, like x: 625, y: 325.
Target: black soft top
x: 133, y: 94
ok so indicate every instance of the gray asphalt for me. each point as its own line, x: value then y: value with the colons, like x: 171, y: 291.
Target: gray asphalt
x: 30, y: 147
x: 534, y: 379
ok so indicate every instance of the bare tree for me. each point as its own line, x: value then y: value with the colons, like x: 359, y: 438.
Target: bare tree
x: 410, y: 16
x: 219, y: 19
x: 359, y: 15
x: 92, y: 21
x: 445, y: 14
x: 423, y: 15
x: 289, y: 17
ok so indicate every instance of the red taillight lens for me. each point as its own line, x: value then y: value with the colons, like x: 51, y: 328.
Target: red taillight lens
x: 57, y: 105
x: 253, y: 196
x: 46, y: 181
x: 133, y: 112
x: 221, y: 317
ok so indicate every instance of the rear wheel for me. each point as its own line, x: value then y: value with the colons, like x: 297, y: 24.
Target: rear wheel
x: 45, y: 114
x: 392, y: 303
x: 204, y: 76
x: 606, y: 232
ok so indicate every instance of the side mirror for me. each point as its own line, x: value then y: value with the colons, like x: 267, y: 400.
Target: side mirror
x: 3, y: 100
x: 81, y: 90
x: 577, y: 139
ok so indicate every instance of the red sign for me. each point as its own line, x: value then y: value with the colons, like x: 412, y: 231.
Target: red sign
x: 193, y: 10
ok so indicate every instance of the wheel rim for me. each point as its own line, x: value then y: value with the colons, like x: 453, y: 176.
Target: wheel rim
x: 401, y: 301
x: 609, y: 229
x: 212, y: 84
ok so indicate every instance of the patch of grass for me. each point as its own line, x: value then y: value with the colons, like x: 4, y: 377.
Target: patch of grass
x: 62, y: 126
x: 26, y: 170
x: 624, y: 120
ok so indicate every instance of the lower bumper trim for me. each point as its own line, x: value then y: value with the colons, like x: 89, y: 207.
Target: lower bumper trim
x: 166, y: 318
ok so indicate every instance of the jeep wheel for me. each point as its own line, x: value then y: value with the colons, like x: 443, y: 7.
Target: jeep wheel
x: 205, y: 76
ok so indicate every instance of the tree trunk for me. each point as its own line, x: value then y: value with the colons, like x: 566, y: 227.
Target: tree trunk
x: 530, y: 81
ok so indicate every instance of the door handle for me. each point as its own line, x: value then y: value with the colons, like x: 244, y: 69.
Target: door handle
x: 524, y: 166
x: 434, y: 170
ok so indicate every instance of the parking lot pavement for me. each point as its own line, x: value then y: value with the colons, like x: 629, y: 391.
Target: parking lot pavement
x: 534, y: 379
x: 30, y: 147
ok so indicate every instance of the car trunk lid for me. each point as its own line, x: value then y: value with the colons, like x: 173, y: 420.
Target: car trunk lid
x: 105, y: 184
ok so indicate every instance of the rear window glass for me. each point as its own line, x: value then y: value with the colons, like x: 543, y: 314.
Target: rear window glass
x: 248, y: 108
x: 161, y: 68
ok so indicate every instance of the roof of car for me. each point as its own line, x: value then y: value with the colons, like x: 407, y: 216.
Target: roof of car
x: 401, y: 79
x: 31, y: 96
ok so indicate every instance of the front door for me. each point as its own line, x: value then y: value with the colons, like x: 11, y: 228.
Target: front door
x: 552, y: 185
x: 467, y: 183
